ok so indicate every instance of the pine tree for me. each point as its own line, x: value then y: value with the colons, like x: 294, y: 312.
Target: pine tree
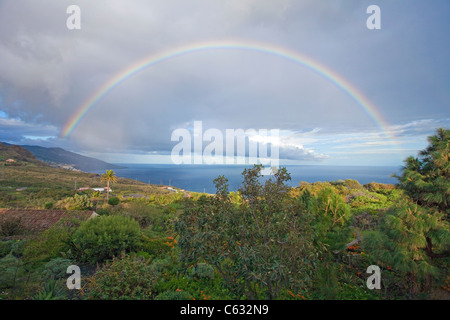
x: 426, y: 179
x: 415, y: 232
x: 401, y: 243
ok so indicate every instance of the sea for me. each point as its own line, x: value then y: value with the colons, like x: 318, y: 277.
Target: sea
x: 199, y: 178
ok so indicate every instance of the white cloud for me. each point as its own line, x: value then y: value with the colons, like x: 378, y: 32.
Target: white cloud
x: 47, y: 72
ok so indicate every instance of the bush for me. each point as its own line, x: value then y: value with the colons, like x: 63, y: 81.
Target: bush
x: 77, y: 202
x: 104, y: 237
x: 145, y: 215
x: 156, y: 245
x: 10, y: 226
x: 48, y: 205
x: 52, y: 290
x: 267, y: 240
x: 56, y: 269
x: 102, y: 211
x: 352, y: 184
x: 50, y: 244
x: 17, y: 248
x: 377, y: 187
x: 128, y: 278
x: 114, y: 201
x: 11, y: 269
x: 408, y: 239
x: 202, y: 271
x: 174, y: 295
x: 5, y: 248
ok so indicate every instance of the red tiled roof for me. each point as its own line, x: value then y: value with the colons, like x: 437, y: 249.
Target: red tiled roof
x: 40, y: 220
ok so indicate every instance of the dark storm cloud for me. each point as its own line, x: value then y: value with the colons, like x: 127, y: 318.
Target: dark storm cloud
x: 48, y: 71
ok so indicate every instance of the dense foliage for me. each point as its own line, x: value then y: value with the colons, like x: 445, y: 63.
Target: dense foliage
x: 259, y: 247
x: 103, y: 238
x: 125, y: 278
x: 426, y: 179
x: 264, y: 241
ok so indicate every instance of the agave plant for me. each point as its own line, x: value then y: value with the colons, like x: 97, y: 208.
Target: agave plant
x: 51, y: 291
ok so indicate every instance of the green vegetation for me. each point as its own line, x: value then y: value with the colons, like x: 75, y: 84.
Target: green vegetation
x: 427, y: 179
x: 109, y: 177
x: 97, y: 240
x: 114, y: 201
x: 127, y: 278
x: 401, y: 242
x: 258, y: 247
x: 265, y: 241
x: 77, y: 202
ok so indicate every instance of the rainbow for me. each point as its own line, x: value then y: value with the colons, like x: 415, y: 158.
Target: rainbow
x: 265, y: 48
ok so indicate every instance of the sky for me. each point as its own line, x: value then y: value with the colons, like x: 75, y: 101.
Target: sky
x: 401, y: 72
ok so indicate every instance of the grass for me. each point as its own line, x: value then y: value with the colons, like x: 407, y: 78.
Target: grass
x: 41, y: 184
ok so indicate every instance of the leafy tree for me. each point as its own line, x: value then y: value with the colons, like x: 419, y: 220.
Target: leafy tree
x: 260, y: 247
x: 109, y: 177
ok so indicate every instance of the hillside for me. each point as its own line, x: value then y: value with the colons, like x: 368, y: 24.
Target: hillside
x: 16, y: 153
x: 59, y: 157
x: 32, y: 184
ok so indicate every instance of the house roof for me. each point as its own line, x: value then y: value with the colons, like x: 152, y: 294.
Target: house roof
x: 40, y: 220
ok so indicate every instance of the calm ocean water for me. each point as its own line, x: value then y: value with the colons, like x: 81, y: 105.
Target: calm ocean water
x: 199, y: 178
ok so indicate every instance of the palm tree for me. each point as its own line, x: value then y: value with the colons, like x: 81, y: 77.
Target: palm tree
x: 109, y: 176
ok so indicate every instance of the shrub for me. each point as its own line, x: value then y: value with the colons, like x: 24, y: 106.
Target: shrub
x: 174, y: 295
x: 48, y: 205
x: 156, y: 245
x: 128, y: 278
x: 406, y: 240
x: 50, y: 244
x: 52, y: 290
x: 105, y: 237
x: 77, y: 202
x: 102, y: 212
x: 267, y: 240
x: 11, y: 268
x: 114, y: 201
x: 365, y: 221
x: 376, y: 187
x: 10, y: 226
x: 426, y: 178
x: 5, y: 247
x: 352, y: 184
x: 330, y: 216
x: 56, y: 269
x: 202, y: 271
x: 145, y: 215
x: 17, y: 248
